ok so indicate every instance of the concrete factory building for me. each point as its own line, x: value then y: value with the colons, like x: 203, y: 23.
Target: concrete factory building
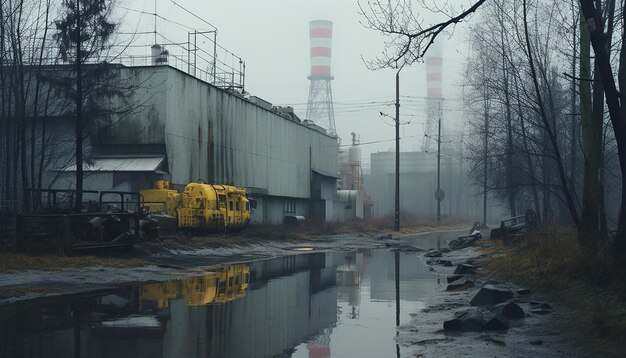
x: 184, y: 129
x: 418, y: 183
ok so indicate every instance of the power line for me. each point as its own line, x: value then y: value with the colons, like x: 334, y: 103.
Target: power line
x: 194, y: 15
x: 157, y: 15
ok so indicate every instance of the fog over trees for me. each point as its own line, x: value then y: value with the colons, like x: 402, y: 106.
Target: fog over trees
x: 545, y: 111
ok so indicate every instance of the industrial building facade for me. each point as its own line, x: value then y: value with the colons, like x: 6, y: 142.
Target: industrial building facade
x: 418, y: 183
x: 184, y: 129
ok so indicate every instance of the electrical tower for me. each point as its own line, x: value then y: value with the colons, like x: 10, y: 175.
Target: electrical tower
x: 320, y: 106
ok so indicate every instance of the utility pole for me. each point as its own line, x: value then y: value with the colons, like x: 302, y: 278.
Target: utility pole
x: 396, y: 225
x: 485, y: 155
x: 79, y: 113
x: 439, y: 195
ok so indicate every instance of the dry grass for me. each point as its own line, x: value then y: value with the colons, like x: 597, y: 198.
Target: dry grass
x: 590, y: 283
x: 25, y: 291
x: 371, y: 226
x: 16, y: 262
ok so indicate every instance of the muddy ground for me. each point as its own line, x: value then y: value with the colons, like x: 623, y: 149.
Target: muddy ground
x: 168, y: 264
x: 536, y: 335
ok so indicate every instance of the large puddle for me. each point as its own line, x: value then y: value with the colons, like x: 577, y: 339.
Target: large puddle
x: 333, y: 304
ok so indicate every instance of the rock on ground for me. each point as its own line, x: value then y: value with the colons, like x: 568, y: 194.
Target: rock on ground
x: 491, y: 295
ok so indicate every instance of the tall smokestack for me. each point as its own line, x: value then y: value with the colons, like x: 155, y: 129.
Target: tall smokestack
x: 320, y: 106
x: 434, y: 100
x: 434, y: 72
x: 321, y: 37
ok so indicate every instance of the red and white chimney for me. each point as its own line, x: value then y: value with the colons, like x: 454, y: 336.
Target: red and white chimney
x: 434, y: 72
x: 321, y: 35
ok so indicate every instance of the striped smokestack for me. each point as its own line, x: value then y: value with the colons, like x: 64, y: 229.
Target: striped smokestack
x: 320, y: 107
x: 434, y: 100
x: 434, y: 71
x: 320, y: 34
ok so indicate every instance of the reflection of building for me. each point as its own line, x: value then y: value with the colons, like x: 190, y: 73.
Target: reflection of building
x: 287, y: 301
x: 319, y: 347
x: 349, y: 277
x: 416, y: 281
x: 290, y: 304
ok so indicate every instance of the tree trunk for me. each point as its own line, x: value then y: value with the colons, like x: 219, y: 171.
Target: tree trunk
x: 549, y: 131
x: 529, y: 161
x: 589, y: 230
x: 598, y: 132
x: 485, y: 149
x: 613, y: 98
x: 510, y: 185
x: 574, y: 94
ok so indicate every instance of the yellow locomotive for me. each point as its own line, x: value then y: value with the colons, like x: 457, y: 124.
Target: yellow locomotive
x: 201, y: 206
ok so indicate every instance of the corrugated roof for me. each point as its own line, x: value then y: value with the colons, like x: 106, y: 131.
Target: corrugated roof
x: 120, y: 164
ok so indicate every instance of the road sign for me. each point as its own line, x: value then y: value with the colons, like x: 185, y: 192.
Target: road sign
x: 439, y: 194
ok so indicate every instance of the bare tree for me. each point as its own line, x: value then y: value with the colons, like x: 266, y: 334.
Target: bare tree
x: 23, y: 40
x: 409, y: 35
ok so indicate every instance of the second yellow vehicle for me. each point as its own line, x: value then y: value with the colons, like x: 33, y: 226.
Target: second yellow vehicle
x: 201, y: 206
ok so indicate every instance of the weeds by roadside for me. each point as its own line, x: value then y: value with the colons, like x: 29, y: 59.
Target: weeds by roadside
x: 17, y: 262
x: 553, y: 263
x: 309, y: 230
x: 312, y: 229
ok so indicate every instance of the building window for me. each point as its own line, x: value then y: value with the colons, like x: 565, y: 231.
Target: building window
x: 290, y: 206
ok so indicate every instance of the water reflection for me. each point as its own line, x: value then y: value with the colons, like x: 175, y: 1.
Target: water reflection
x: 313, y: 305
x: 225, y: 284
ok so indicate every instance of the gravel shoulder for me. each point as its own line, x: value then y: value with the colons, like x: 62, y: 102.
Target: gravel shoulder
x: 536, y: 335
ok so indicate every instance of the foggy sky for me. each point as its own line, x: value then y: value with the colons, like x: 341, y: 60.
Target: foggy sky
x: 272, y: 37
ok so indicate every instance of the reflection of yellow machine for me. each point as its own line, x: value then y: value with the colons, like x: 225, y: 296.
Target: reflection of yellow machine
x: 200, y: 206
x: 228, y: 283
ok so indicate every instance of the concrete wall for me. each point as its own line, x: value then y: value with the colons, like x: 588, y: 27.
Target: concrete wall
x: 215, y: 135
x: 208, y: 133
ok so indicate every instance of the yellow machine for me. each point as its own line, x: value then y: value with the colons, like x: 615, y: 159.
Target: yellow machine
x: 200, y: 206
x: 226, y: 284
x: 160, y: 199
